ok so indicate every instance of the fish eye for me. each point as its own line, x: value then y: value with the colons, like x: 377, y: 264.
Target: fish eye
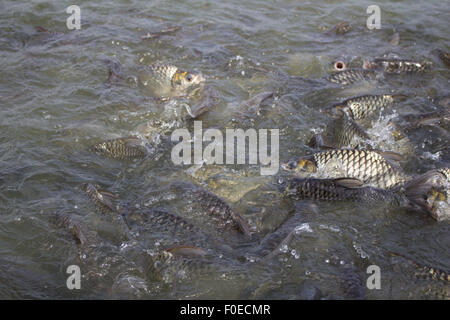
x: 189, y: 78
x: 339, y: 65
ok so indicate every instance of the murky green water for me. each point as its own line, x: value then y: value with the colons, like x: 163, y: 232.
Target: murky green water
x: 54, y: 104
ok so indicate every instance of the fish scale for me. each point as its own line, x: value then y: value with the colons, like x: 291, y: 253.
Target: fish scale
x: 122, y: 148
x: 332, y: 190
x: 364, y: 106
x: 368, y: 166
x: 350, y: 76
x: 399, y: 66
x: 219, y: 208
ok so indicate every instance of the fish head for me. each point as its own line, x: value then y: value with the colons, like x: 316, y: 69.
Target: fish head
x: 183, y: 80
x: 438, y: 203
x: 299, y: 165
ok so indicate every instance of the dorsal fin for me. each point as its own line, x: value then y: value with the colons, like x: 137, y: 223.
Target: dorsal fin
x: 348, y: 182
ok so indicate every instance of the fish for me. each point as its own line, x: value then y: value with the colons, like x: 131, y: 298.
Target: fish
x: 269, y: 246
x: 395, y: 40
x: 400, y: 66
x: 350, y: 76
x: 128, y: 148
x: 114, y: 72
x: 361, y: 107
x: 341, y: 28
x: 102, y: 199
x: 163, y: 221
x: 430, y: 192
x: 444, y: 56
x: 424, y: 272
x: 408, y: 122
x: 177, y: 262
x: 66, y: 221
x: 342, y: 189
x: 253, y: 105
x: 375, y: 168
x: 219, y: 210
x: 168, y: 81
x: 339, y: 133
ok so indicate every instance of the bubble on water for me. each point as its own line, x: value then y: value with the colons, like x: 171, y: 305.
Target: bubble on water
x: 295, y: 254
x: 431, y: 156
x: 75, y: 207
x: 327, y: 260
x: 360, y: 251
x: 331, y: 228
x: 304, y: 227
x: 307, y: 272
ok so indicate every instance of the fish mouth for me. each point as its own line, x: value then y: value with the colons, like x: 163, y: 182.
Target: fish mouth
x: 289, y: 166
x: 199, y: 78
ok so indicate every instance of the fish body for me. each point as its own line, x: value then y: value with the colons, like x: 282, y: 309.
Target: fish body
x: 162, y: 221
x: 272, y: 242
x: 128, y: 148
x: 341, y: 190
x: 430, y: 191
x: 341, y: 28
x: 400, y: 66
x: 170, y: 265
x: 362, y: 107
x: 444, y: 56
x: 102, y: 199
x: 350, y: 76
x: 339, y: 133
x: 66, y: 221
x: 220, y: 211
x: 167, y: 80
x: 371, y: 167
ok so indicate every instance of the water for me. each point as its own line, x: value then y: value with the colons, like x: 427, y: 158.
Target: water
x: 54, y: 104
